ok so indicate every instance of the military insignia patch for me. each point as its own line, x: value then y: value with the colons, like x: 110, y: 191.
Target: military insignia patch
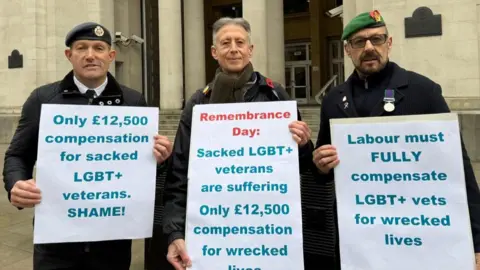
x: 376, y: 15
x: 99, y: 31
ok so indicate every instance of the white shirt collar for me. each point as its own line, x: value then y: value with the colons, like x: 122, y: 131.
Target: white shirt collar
x: 83, y: 89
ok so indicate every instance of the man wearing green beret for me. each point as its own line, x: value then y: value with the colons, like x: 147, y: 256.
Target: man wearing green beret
x: 380, y: 87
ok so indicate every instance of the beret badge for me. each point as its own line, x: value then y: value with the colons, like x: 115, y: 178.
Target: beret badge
x: 99, y: 31
x: 376, y: 15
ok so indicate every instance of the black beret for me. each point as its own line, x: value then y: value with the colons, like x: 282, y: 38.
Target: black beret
x: 88, y: 31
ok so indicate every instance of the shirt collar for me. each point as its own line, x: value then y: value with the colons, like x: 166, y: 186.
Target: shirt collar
x: 83, y: 89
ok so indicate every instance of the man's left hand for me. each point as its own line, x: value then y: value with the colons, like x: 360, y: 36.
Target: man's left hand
x: 301, y: 132
x: 162, y: 148
x: 477, y: 259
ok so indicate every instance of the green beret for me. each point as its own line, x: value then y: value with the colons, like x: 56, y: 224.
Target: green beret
x: 371, y: 19
x: 88, y: 31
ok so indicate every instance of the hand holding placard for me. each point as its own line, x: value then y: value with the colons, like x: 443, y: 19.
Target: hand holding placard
x: 25, y: 194
x: 325, y: 158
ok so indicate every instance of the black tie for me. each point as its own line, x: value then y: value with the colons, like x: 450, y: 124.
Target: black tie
x: 90, y: 94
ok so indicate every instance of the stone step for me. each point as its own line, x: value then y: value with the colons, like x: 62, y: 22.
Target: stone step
x: 168, y: 133
x: 169, y: 117
x: 169, y: 121
x: 170, y: 112
x: 169, y: 126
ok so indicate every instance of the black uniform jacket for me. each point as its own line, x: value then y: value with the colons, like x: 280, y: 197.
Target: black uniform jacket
x: 175, y: 192
x: 21, y: 155
x: 414, y: 94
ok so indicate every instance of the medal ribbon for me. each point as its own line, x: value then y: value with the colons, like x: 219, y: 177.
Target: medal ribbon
x: 389, y: 95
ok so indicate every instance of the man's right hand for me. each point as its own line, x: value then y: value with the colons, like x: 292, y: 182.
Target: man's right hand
x: 325, y: 158
x: 177, y: 255
x: 25, y: 194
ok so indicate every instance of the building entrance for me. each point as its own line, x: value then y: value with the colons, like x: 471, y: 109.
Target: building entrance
x: 297, y: 80
x: 298, y: 72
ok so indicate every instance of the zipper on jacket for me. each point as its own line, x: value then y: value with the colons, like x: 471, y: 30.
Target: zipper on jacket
x: 87, y: 247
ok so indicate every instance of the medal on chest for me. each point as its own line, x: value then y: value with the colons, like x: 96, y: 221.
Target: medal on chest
x: 389, y: 100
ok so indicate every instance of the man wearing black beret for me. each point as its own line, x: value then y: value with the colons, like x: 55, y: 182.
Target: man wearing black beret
x: 88, y: 83
x: 379, y: 87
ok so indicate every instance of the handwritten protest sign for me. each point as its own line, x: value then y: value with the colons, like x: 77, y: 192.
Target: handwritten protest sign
x: 96, y: 171
x: 244, y: 208
x: 401, y: 193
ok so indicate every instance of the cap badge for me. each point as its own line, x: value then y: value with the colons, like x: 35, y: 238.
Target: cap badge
x: 376, y: 15
x: 99, y: 31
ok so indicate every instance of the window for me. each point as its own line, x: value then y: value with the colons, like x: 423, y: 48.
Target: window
x: 297, y: 52
x: 295, y: 6
x: 298, y: 71
x: 336, y: 57
x: 233, y: 11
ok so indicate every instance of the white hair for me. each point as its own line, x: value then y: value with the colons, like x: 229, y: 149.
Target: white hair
x: 231, y: 21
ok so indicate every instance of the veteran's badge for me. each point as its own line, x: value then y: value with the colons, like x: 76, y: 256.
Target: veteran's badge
x: 376, y: 15
x: 99, y: 31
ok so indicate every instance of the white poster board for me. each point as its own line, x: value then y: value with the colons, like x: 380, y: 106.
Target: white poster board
x: 97, y: 172
x: 244, y: 208
x: 401, y: 193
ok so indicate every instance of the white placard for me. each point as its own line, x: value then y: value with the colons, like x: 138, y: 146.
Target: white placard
x: 96, y: 171
x: 401, y: 194
x: 244, y: 208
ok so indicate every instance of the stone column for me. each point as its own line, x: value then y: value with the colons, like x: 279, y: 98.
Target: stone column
x: 171, y: 66
x: 363, y: 6
x: 349, y: 12
x: 194, y: 42
x: 255, y: 12
x: 38, y: 32
x: 275, y: 41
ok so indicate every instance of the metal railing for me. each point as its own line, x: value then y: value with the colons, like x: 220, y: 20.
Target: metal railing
x: 332, y: 82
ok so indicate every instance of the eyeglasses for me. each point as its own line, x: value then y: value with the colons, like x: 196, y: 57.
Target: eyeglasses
x: 376, y: 40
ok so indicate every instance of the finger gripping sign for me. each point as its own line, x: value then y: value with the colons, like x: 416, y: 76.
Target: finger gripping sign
x: 96, y: 171
x: 401, y: 195
x: 243, y: 208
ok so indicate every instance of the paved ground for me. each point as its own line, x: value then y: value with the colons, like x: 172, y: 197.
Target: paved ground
x: 16, y: 239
